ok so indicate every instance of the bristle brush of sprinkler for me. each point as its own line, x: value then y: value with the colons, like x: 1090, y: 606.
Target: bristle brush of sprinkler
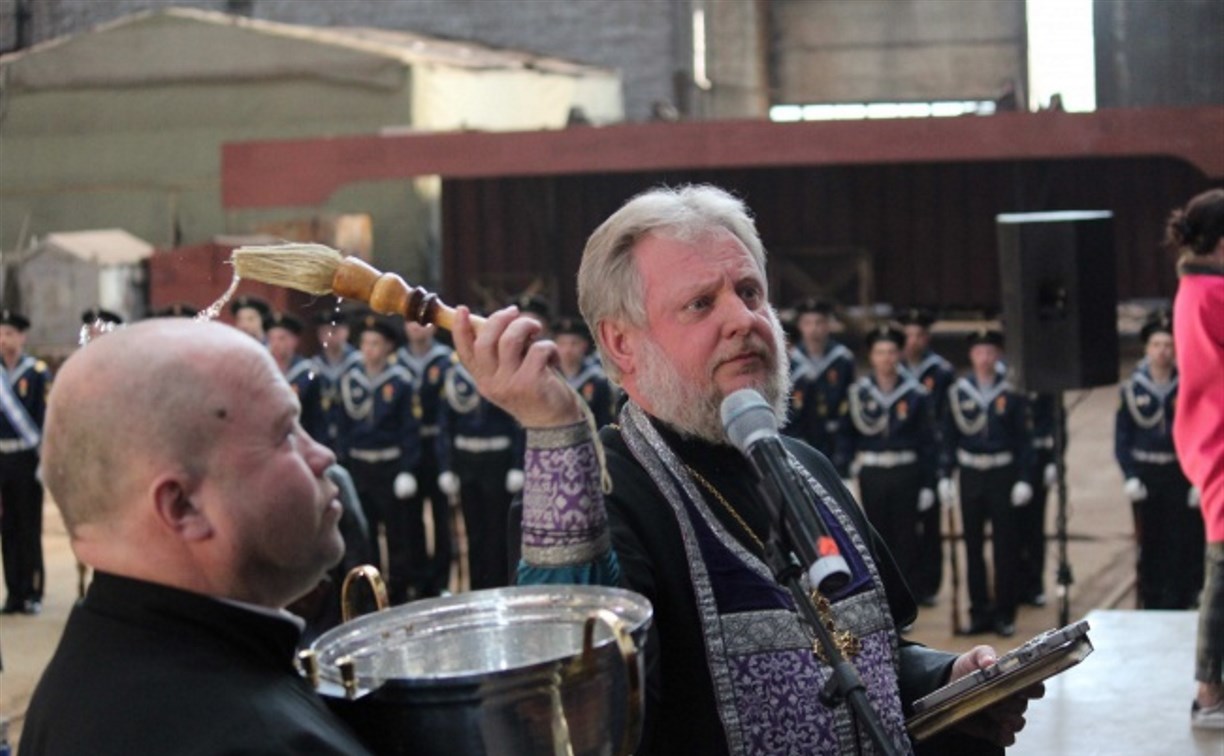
x: 303, y: 267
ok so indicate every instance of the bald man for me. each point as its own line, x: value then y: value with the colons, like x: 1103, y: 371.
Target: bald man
x: 174, y: 452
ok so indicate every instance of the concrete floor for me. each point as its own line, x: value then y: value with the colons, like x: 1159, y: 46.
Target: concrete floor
x: 1100, y: 551
x: 1128, y: 698
x: 1100, y: 545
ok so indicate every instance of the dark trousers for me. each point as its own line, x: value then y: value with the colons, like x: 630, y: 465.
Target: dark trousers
x: 1209, y: 652
x: 929, y: 556
x: 890, y: 500
x: 21, y: 497
x: 375, y: 484
x: 486, y: 507
x: 986, y: 497
x: 1171, y: 540
x: 1030, y: 520
x: 429, y: 575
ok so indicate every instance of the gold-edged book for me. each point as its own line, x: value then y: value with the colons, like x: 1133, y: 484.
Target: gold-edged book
x: 1040, y: 658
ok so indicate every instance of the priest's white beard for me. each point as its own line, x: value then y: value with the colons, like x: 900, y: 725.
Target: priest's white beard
x: 693, y: 408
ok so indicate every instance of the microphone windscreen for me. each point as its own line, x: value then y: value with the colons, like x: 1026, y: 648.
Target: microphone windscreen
x: 347, y: 494
x: 747, y: 418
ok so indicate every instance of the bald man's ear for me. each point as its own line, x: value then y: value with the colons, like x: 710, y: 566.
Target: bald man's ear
x: 177, y: 512
x: 617, y: 345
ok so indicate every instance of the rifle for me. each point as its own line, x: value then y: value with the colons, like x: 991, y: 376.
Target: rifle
x: 952, y: 546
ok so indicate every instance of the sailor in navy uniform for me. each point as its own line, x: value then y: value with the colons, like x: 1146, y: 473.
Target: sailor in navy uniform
x: 335, y: 358
x: 480, y: 456
x: 821, y: 373
x: 251, y: 316
x: 24, y: 383
x: 936, y: 374
x: 986, y: 436
x: 582, y: 370
x: 95, y: 323
x: 427, y: 361
x: 1031, y: 518
x: 380, y: 443
x: 921, y: 362
x: 284, y: 332
x: 1170, y: 528
x: 892, y: 434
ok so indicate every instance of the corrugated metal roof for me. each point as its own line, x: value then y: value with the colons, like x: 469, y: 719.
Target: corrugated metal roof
x: 404, y: 46
x: 412, y: 47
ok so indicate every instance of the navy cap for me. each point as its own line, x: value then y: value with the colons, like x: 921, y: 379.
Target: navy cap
x: 1160, y: 321
x: 814, y: 304
x: 332, y: 317
x: 374, y: 322
x: 246, y: 301
x: 14, y: 319
x: 986, y: 335
x: 571, y: 326
x: 919, y: 316
x: 284, y: 320
x: 533, y: 304
x: 885, y: 332
x: 94, y: 314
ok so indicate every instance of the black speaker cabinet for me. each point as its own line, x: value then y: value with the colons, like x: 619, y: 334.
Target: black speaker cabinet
x: 1060, y: 297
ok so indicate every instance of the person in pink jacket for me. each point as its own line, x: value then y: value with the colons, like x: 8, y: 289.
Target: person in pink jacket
x: 1197, y: 233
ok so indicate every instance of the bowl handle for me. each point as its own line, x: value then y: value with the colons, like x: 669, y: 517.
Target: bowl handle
x: 629, y: 655
x: 370, y: 574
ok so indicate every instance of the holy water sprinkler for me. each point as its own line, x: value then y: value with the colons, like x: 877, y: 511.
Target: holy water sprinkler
x: 320, y: 270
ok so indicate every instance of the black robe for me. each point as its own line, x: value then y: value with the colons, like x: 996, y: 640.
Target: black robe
x: 148, y: 669
x: 682, y: 715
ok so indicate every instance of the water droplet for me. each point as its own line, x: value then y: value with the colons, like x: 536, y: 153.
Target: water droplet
x: 91, y: 331
x: 213, y: 311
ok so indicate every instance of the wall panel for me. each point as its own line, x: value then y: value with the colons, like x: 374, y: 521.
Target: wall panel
x: 929, y: 229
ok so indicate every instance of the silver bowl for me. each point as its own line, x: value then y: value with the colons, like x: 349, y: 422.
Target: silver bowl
x: 519, y: 671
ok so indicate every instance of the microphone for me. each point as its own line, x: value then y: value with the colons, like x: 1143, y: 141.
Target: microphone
x: 347, y: 494
x: 752, y: 428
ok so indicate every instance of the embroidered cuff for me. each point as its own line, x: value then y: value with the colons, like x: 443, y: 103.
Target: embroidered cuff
x: 564, y: 521
x: 604, y: 571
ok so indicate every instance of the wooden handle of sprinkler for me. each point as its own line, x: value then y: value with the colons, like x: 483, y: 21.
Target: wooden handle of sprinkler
x: 388, y: 294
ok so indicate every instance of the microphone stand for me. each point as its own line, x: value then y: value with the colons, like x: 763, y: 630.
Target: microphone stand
x: 1065, y: 579
x: 844, y: 684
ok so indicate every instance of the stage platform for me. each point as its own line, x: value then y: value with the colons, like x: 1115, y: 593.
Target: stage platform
x: 1130, y: 697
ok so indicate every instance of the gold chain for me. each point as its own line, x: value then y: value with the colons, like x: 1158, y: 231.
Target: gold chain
x: 726, y: 505
x: 844, y: 639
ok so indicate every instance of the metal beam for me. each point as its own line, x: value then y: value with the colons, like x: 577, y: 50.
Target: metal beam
x: 306, y: 172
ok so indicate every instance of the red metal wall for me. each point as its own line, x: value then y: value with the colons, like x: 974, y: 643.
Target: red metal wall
x: 200, y: 274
